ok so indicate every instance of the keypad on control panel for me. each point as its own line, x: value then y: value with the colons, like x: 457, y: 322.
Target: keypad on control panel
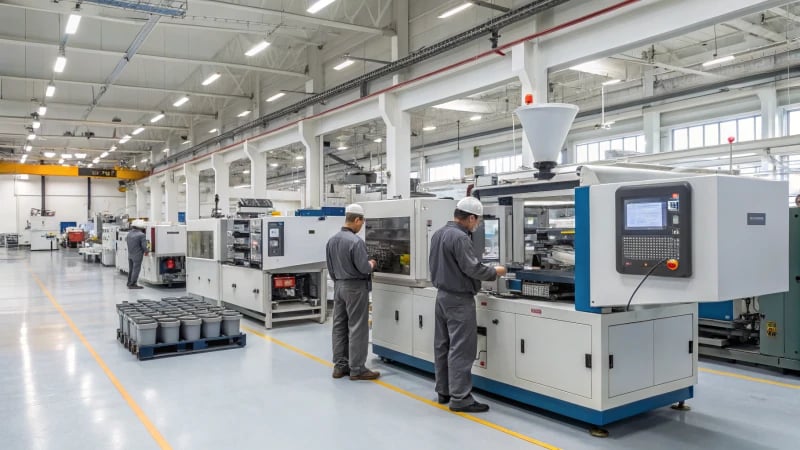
x: 650, y: 247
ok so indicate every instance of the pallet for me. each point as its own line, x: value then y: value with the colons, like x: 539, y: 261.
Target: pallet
x: 147, y: 352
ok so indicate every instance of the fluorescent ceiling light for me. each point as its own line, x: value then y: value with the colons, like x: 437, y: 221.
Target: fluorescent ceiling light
x: 61, y: 161
x: 113, y: 148
x: 212, y: 78
x: 610, y: 82
x: 213, y: 130
x: 299, y: 157
x: 42, y: 111
x: 276, y: 96
x: 241, y: 186
x: 378, y: 140
x: 125, y: 139
x: 90, y: 165
x: 343, y: 64
x: 144, y: 160
x: 96, y: 160
x: 317, y: 7
x: 61, y: 63
x: 714, y: 62
x: 180, y: 101
x: 476, y: 118
x: 72, y: 24
x: 273, y: 165
x: 104, y: 154
x: 133, y: 166
x: 137, y: 131
x: 256, y: 49
x: 31, y: 136
x: 429, y: 128
x: 245, y: 172
x: 157, y: 118
x: 28, y: 147
x: 467, y: 105
x: 455, y: 10
x: 165, y: 150
x: 36, y: 124
x: 66, y: 156
x: 49, y: 154
x: 244, y: 113
x: 80, y: 155
x: 186, y: 142
x: 341, y: 147
x: 50, y: 91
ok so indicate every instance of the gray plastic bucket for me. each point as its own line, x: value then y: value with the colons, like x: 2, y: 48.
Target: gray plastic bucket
x: 168, y: 330
x: 230, y: 323
x: 190, y: 328
x: 145, y: 330
x: 211, y: 325
x: 128, y: 329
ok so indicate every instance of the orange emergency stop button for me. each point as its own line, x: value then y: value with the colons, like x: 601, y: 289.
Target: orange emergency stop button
x: 672, y: 264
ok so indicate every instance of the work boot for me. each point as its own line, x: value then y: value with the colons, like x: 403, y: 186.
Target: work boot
x: 366, y: 375
x: 443, y: 399
x: 339, y: 372
x: 476, y: 407
x: 135, y: 286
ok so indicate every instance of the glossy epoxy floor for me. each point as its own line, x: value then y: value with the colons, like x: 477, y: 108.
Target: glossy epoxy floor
x: 66, y: 383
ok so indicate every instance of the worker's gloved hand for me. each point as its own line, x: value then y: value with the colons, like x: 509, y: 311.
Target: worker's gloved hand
x: 501, y: 271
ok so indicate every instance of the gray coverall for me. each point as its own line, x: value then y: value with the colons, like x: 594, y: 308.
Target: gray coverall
x: 348, y: 265
x: 137, y: 247
x: 457, y: 273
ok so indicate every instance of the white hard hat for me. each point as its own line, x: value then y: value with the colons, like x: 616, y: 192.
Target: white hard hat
x: 355, y: 208
x: 470, y: 205
x: 138, y: 223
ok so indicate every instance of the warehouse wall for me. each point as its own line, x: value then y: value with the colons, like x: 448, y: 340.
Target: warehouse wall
x: 66, y: 195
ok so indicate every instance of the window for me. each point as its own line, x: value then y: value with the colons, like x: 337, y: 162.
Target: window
x: 609, y: 148
x: 502, y: 164
x: 413, y: 175
x: 717, y: 133
x: 446, y: 172
x: 793, y: 118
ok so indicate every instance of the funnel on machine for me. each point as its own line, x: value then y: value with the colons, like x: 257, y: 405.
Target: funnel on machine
x: 545, y: 126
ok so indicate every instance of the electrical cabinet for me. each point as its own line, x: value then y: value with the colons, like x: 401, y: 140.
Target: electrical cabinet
x: 392, y: 317
x: 424, y: 323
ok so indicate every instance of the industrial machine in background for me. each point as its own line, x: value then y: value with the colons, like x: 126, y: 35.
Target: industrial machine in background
x: 109, y: 244
x: 165, y: 261
x: 274, y: 267
x: 597, y: 319
x: 763, y: 329
x: 206, y: 247
x: 44, y: 232
x: 121, y: 249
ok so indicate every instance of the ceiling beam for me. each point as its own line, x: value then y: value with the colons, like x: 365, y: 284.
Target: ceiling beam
x: 169, y: 59
x: 97, y: 138
x: 35, y: 104
x: 94, y: 123
x: 125, y: 86
x: 756, y: 30
x: 64, y: 171
x: 74, y: 149
x: 296, y: 17
x: 786, y: 14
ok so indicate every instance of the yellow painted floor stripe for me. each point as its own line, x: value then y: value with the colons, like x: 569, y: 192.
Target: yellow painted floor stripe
x: 749, y: 378
x: 162, y: 443
x: 408, y: 394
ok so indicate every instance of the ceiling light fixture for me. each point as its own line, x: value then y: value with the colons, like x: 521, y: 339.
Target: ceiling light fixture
x: 157, y: 118
x: 318, y: 6
x: 66, y: 156
x: 31, y: 136
x: 49, y: 154
x: 180, y: 101
x: 213, y: 130
x: 61, y: 161
x: 299, y: 157
x: 610, y: 82
x: 429, y: 128
x: 341, y: 147
x: 716, y: 61
x: 72, y: 24
x: 246, y: 171
x: 343, y: 64
x: 137, y: 131
x: 378, y: 140
x: 476, y: 118
x: 96, y: 160
x: 276, y: 96
x: 36, y: 124
x: 61, y: 63
x: 244, y: 113
x: 50, y: 91
x: 90, y: 165
x: 144, y: 160
x: 273, y: 164
x: 125, y: 139
x: 165, y: 150
x: 80, y: 155
x: 454, y: 11
x: 113, y: 148
x: 133, y: 166
x: 256, y: 49
x: 212, y: 78
x: 28, y: 147
x: 42, y: 111
x: 186, y: 142
x: 104, y: 154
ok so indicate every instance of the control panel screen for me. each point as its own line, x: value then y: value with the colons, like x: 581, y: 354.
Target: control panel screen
x: 645, y: 215
x: 653, y: 231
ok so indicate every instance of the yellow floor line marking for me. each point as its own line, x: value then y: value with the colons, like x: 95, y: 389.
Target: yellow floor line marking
x: 408, y: 394
x: 749, y: 378
x: 162, y: 443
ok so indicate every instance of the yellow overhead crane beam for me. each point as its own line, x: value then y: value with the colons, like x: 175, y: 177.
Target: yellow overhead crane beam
x: 51, y: 170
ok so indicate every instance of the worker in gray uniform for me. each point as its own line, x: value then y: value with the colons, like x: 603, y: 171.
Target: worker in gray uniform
x: 137, y: 248
x: 457, y: 274
x: 350, y: 268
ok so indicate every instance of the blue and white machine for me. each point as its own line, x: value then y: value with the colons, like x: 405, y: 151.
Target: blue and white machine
x: 649, y: 245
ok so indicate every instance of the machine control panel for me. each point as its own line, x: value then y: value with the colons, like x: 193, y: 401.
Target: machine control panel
x: 653, y: 227
x: 275, y: 239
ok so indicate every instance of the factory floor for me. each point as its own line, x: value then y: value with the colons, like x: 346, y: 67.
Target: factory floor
x: 66, y: 383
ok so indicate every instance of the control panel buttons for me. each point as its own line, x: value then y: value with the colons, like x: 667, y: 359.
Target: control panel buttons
x: 672, y: 264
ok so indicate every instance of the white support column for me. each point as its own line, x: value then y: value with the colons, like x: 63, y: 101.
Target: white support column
x: 258, y: 171
x: 652, y: 131
x: 171, y: 197
x: 141, y: 198
x: 398, y: 146
x: 130, y: 202
x: 316, y: 74
x: 769, y: 113
x: 400, y: 39
x: 314, y: 182
x: 527, y: 65
x: 156, y: 198
x: 192, y: 191
x: 222, y: 183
